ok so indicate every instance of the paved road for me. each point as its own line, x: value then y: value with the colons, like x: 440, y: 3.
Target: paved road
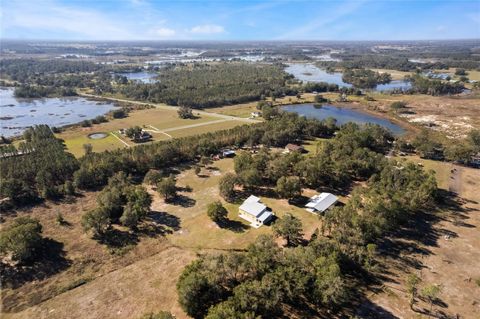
x: 168, y: 107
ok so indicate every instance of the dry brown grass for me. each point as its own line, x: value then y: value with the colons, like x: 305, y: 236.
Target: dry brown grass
x: 450, y: 246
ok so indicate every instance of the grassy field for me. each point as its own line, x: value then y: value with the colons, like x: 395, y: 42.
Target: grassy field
x: 155, y: 120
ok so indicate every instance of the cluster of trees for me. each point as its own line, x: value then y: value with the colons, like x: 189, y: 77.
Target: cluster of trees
x: 31, y: 91
x: 462, y: 150
x: 30, y: 70
x: 185, y: 112
x: 392, y: 197
x: 266, y: 280
x: 284, y: 128
x: 263, y: 281
x: 355, y: 153
x: 42, y: 168
x: 22, y: 240
x: 209, y: 85
x: 119, y: 202
x: 423, y: 85
x: 364, y: 78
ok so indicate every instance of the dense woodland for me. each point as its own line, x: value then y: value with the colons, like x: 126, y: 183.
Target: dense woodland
x: 365, y: 79
x: 209, y: 85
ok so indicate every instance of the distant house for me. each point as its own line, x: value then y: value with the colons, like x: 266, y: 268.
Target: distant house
x: 294, y: 148
x: 321, y: 202
x: 255, y: 212
x: 228, y: 153
x: 143, y: 136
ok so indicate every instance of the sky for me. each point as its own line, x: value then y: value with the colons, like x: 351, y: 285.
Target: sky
x: 239, y: 20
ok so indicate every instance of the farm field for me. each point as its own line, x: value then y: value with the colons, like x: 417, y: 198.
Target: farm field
x: 162, y: 123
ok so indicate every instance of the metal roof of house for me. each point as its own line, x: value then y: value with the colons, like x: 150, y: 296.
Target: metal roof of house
x: 253, y: 206
x: 321, y: 202
x: 265, y: 216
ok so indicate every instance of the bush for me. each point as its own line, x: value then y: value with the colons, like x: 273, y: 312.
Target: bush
x: 22, y: 239
x: 398, y: 105
x: 216, y: 211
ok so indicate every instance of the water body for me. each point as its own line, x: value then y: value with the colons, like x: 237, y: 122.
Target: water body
x: 342, y: 115
x: 395, y: 84
x: 308, y: 72
x: 16, y: 115
x: 143, y: 77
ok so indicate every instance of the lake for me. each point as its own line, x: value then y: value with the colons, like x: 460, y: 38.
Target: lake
x: 144, y: 77
x: 16, y: 115
x: 308, y: 72
x: 342, y: 115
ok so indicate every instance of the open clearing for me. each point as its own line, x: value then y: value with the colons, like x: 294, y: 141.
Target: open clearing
x: 157, y: 121
x: 98, y: 282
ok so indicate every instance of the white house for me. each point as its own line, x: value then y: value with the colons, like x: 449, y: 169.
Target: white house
x: 254, y: 211
x: 321, y: 202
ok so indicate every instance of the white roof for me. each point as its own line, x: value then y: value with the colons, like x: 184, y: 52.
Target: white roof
x: 265, y: 216
x: 253, y: 206
x: 322, y: 202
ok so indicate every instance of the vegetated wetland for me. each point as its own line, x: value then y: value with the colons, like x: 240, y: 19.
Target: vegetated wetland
x: 19, y: 114
x: 131, y: 225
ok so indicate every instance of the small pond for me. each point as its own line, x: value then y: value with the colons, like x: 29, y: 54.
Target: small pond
x: 310, y: 73
x: 342, y: 115
x: 97, y: 136
x: 18, y: 114
x: 143, y: 77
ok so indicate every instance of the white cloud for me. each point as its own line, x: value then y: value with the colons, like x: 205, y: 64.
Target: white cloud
x: 207, y: 29
x: 164, y: 32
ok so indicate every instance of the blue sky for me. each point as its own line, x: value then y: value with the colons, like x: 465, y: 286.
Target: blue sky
x: 239, y: 20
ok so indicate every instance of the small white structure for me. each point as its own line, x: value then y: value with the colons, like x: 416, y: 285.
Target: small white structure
x: 321, y: 202
x: 255, y: 114
x: 254, y: 211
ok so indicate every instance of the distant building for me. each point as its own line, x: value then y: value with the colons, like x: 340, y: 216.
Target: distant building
x: 228, y: 153
x: 294, y: 148
x: 141, y: 137
x: 321, y: 202
x: 255, y: 212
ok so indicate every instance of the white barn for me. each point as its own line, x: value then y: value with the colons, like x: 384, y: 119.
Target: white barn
x: 321, y: 202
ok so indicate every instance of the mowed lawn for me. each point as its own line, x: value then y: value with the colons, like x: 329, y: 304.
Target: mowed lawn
x: 153, y: 120
x: 196, y: 230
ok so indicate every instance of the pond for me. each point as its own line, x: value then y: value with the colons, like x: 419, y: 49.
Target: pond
x: 16, y: 115
x: 342, y: 115
x: 97, y: 136
x: 143, y: 77
x: 308, y: 72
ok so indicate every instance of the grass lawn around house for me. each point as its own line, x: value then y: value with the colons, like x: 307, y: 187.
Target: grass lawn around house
x: 197, y: 231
